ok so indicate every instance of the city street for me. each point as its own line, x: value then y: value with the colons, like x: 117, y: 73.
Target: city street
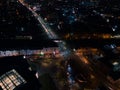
x: 95, y: 76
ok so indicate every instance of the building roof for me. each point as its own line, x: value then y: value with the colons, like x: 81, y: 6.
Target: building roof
x: 17, y: 67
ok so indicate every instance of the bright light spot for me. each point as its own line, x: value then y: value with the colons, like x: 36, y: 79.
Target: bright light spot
x: 37, y: 75
x: 108, y: 20
x: 92, y: 76
x: 30, y: 37
x: 57, y: 41
x: 74, y: 49
x: 115, y: 63
x: 34, y: 8
x: 24, y: 57
x: 116, y: 36
x: 54, y: 52
x: 30, y: 68
x: 101, y: 14
x: 22, y: 29
x: 41, y: 53
x: 85, y: 60
x: 45, y: 19
x: 113, y: 29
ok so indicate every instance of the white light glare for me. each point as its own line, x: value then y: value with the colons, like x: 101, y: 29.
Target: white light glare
x: 115, y: 63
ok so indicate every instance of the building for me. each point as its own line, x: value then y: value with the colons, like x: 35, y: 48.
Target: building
x: 15, y: 74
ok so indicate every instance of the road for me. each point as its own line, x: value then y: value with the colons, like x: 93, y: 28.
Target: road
x: 96, y: 71
x: 49, y: 32
x: 89, y: 68
x: 65, y: 51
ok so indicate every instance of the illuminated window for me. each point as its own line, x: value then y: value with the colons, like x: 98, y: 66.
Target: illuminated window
x: 10, y: 80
